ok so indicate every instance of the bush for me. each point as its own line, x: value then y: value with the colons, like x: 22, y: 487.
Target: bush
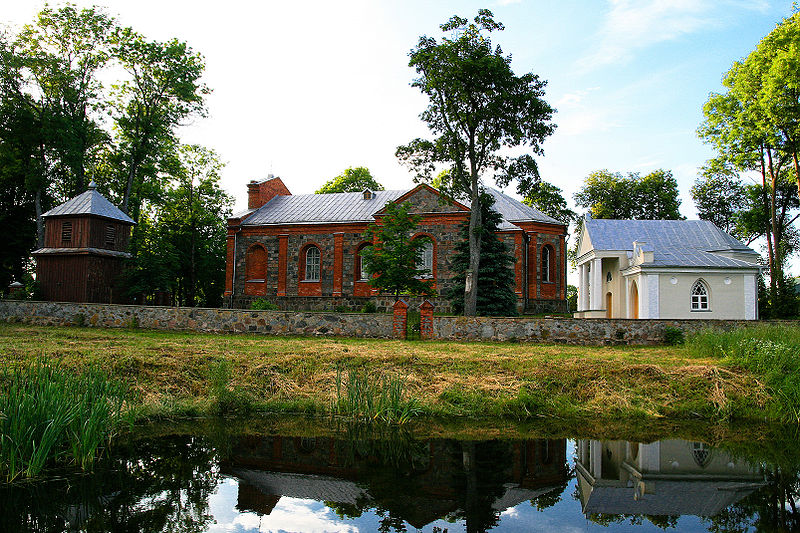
x: 369, y: 307
x: 673, y: 336
x: 262, y: 304
x: 342, y: 309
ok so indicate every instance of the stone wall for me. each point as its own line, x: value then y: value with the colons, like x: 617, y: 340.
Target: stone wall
x: 197, y: 319
x: 549, y: 330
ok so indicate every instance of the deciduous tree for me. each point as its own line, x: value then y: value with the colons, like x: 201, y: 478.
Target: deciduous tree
x: 477, y: 106
x: 392, y: 262
x: 612, y: 195
x: 353, y: 179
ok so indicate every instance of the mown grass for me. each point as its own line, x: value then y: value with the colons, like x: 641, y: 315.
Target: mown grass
x: 187, y: 374
x: 50, y: 416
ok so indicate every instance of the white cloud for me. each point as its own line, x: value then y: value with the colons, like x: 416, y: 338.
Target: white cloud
x: 632, y: 25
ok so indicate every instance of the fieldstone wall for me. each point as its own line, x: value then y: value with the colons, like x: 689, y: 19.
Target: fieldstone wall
x: 588, y: 331
x: 197, y: 319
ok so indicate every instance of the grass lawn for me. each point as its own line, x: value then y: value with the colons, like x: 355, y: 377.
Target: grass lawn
x: 180, y: 373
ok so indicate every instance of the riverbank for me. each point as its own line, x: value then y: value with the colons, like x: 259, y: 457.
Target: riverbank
x: 178, y: 374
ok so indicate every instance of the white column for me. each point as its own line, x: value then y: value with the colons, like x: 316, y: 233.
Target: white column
x: 644, y: 309
x: 582, y: 287
x: 597, y: 285
x: 596, y: 458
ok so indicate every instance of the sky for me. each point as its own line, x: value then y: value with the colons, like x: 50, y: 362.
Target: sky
x: 303, y: 90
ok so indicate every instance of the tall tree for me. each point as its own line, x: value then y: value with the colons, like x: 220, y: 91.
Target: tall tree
x: 612, y: 195
x: 392, y: 262
x: 163, y: 89
x: 496, y: 295
x: 477, y: 107
x: 548, y: 199
x: 353, y: 179
x: 719, y: 197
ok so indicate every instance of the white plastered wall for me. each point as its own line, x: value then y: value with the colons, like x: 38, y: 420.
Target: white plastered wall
x: 735, y: 300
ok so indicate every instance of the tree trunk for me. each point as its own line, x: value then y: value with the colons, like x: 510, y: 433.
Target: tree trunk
x: 190, y: 293
x: 471, y: 285
x: 39, y: 222
x: 768, y: 230
x: 796, y: 172
x: 776, y: 276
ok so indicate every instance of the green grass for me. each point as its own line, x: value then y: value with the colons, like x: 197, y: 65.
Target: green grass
x: 183, y: 374
x: 770, y: 352
x: 50, y: 416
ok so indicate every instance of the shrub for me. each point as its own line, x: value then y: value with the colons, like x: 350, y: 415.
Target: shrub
x: 262, y: 304
x: 369, y: 307
x: 79, y: 320
x: 673, y: 336
x: 342, y: 309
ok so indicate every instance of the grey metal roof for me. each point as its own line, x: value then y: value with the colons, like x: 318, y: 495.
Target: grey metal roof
x: 515, y: 211
x: 351, y: 207
x: 687, y: 243
x: 307, y: 208
x: 90, y: 202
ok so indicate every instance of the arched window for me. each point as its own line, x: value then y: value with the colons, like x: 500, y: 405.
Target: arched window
x: 360, y: 269
x: 255, y: 264
x: 426, y: 258
x: 699, y: 296
x: 312, y: 263
x: 548, y: 263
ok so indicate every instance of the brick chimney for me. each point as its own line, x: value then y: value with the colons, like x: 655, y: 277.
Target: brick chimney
x: 261, y: 192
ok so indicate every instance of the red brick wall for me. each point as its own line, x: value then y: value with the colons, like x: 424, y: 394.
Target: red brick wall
x: 259, y: 193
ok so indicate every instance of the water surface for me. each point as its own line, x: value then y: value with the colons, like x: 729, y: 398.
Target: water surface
x: 366, y: 480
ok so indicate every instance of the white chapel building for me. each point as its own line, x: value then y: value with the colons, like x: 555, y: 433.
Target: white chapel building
x: 669, y: 269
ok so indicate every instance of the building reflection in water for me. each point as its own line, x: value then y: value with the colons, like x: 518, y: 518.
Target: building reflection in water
x: 413, y: 481
x: 669, y: 477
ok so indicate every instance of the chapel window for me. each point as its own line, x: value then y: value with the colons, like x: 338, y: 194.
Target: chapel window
x: 111, y: 235
x: 66, y: 231
x: 547, y: 263
x: 361, y: 267
x: 699, y: 296
x: 256, y: 264
x: 425, y: 262
x: 312, y: 263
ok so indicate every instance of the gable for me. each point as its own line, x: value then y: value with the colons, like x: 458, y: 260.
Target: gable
x: 426, y: 199
x: 584, y: 241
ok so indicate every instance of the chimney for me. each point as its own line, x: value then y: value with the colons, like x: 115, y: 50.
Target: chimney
x: 261, y: 192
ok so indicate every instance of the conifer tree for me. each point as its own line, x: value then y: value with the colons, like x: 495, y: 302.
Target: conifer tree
x: 495, y: 269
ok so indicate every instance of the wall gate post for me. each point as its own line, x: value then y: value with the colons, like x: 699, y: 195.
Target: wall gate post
x: 426, y: 320
x: 400, y: 319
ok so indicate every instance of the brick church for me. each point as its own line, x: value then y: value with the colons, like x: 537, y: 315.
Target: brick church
x: 303, y: 251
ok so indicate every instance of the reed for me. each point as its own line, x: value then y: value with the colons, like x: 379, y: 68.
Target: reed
x: 363, y: 397
x: 49, y: 416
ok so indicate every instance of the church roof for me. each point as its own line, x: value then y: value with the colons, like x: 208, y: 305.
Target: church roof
x: 686, y: 243
x: 352, y: 207
x: 90, y: 202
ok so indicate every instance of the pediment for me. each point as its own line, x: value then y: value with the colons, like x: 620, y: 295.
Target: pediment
x: 426, y: 199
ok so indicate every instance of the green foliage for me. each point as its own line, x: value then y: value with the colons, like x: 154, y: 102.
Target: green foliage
x: 391, y: 262
x: 79, y: 320
x: 719, y: 197
x: 496, y: 295
x: 226, y: 399
x: 477, y: 108
x: 548, y: 199
x: 413, y: 326
x: 353, y: 179
x: 769, y: 351
x: 785, y: 303
x: 363, y: 397
x: 673, y: 336
x: 572, y: 298
x: 179, y: 245
x: 614, y: 196
x: 49, y: 416
x: 262, y: 304
x: 369, y: 307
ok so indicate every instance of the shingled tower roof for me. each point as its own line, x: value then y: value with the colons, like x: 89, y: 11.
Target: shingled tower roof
x: 90, y: 202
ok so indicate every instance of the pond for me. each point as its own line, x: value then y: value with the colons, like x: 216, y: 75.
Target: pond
x: 390, y: 480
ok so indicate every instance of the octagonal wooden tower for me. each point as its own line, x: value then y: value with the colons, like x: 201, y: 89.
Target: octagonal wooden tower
x: 85, y: 242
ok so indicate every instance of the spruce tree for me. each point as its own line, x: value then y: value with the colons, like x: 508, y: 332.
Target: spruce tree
x: 496, y: 295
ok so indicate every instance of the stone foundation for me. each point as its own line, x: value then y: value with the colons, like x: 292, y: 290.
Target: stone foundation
x: 378, y: 325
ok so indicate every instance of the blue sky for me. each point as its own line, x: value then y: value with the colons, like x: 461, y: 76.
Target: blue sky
x: 306, y: 89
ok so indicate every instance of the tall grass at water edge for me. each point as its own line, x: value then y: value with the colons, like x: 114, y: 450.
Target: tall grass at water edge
x: 771, y: 352
x: 373, y: 399
x: 50, y: 416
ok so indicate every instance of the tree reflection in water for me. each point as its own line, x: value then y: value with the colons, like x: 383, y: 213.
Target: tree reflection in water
x: 388, y: 479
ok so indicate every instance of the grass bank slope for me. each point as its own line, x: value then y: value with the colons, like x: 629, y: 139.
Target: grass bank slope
x: 175, y: 373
